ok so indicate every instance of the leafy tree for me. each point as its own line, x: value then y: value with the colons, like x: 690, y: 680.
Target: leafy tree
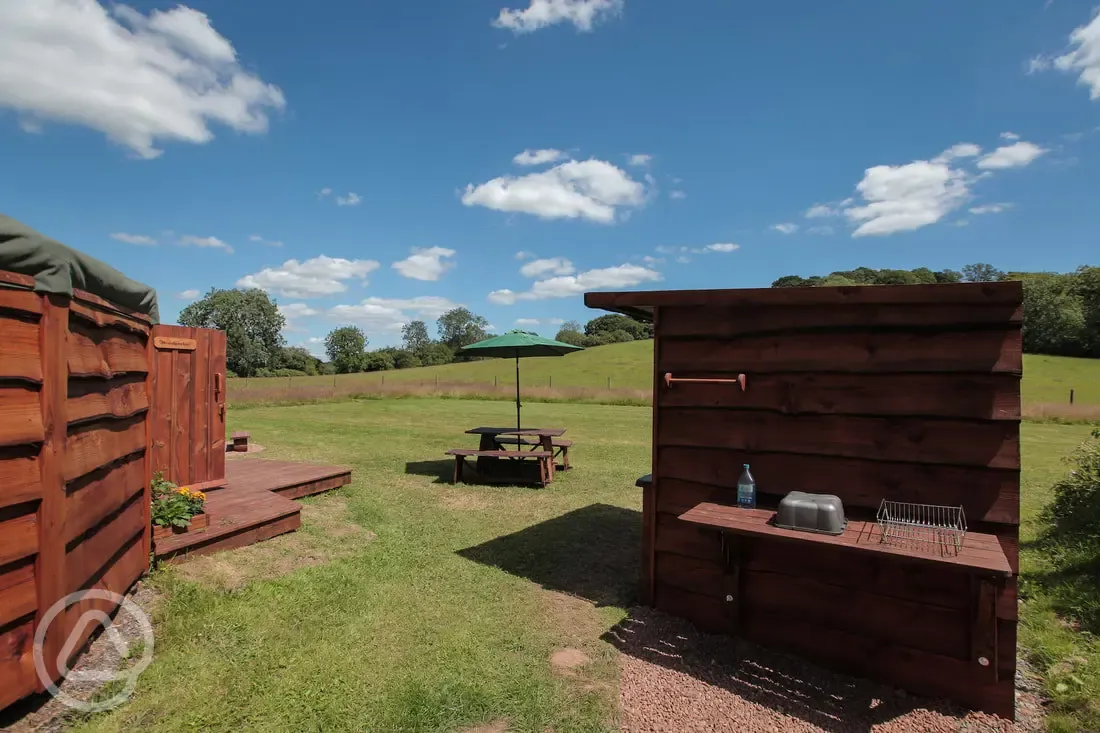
x: 981, y: 272
x: 790, y: 281
x: 436, y: 353
x: 570, y: 336
x: 948, y: 276
x: 405, y: 359
x: 326, y: 368
x: 379, y: 361
x: 346, y: 349
x: 459, y: 327
x: 837, y: 280
x: 1053, y: 318
x: 415, y: 336
x: 299, y: 359
x: 252, y: 325
x: 1087, y: 288
x: 924, y: 276
x: 616, y: 322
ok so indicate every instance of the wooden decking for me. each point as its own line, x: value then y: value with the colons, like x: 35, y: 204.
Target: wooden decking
x: 255, y: 505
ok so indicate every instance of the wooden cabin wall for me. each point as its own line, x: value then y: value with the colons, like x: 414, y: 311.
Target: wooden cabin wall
x: 188, y: 425
x: 915, y: 400
x: 74, y: 509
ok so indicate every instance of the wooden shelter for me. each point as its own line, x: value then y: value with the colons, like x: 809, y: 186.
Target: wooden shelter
x: 898, y: 393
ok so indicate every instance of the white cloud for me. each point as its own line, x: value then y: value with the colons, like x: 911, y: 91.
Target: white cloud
x: 388, y: 315
x: 1010, y: 136
x: 326, y: 191
x: 352, y: 199
x: 425, y: 264
x: 548, y: 266
x: 1084, y: 59
x: 651, y: 261
x: 822, y: 211
x: 722, y: 247
x: 683, y: 260
x: 297, y: 310
x: 959, y: 150
x: 583, y: 14
x: 205, y: 242
x: 528, y: 322
x: 189, y: 294
x: 521, y: 255
x: 990, y: 208
x: 786, y: 228
x: 310, y: 279
x: 538, y: 157
x: 822, y: 231
x: 268, y: 242
x: 906, y: 197
x: 640, y: 159
x: 556, y: 321
x: 1016, y: 155
x: 621, y: 276
x: 133, y: 238
x: 591, y: 189
x: 677, y: 195
x: 137, y: 79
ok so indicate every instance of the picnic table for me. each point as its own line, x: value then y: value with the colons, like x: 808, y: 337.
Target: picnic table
x: 494, y: 448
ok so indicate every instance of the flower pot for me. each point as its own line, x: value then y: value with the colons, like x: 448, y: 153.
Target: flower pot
x: 199, y: 521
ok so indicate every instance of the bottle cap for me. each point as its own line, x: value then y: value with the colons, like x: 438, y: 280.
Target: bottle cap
x: 745, y: 465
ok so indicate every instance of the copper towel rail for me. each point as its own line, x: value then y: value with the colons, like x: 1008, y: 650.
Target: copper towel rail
x: 669, y: 379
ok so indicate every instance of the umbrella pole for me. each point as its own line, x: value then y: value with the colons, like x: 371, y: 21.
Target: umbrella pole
x: 517, y: 391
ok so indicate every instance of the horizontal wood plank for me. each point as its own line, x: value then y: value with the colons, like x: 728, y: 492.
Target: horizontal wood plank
x: 18, y: 593
x: 105, y: 352
x: 978, y: 397
x: 985, y: 495
x: 20, y: 475
x: 20, y: 357
x: 91, y: 399
x: 21, y: 408
x: 92, y: 552
x: 96, y: 495
x: 24, y: 302
x: 97, y: 444
x: 675, y: 536
x: 18, y: 533
x: 731, y: 322
x: 995, y: 444
x: 865, y: 351
x: 91, y: 299
x: 17, y: 661
x: 101, y: 318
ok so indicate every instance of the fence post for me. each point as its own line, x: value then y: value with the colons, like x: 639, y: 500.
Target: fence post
x: 383, y: 380
x: 1071, y: 396
x: 494, y: 381
x: 609, y: 382
x: 551, y: 381
x: 436, y: 382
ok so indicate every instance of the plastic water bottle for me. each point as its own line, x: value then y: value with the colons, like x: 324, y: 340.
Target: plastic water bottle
x: 746, y: 489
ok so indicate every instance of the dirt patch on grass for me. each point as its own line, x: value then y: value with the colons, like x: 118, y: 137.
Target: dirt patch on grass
x: 253, y: 448
x: 112, y: 651
x: 327, y: 534
x: 499, y: 726
x: 567, y: 661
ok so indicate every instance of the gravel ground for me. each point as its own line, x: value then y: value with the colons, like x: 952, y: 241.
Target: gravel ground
x: 44, y: 714
x: 674, y: 678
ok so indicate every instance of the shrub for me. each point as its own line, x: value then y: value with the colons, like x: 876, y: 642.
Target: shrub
x: 289, y: 373
x: 1075, y: 506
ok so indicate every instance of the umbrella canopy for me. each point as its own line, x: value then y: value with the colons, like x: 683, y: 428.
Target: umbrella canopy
x: 516, y: 344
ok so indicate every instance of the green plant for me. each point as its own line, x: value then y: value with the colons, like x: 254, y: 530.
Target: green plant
x: 1075, y: 506
x: 173, y: 506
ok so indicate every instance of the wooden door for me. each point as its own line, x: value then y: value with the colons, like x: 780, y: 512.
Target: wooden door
x: 187, y: 431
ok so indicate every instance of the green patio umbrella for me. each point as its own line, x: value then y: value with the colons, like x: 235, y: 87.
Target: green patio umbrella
x: 515, y: 344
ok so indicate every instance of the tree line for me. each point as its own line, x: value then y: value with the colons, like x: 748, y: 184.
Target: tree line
x: 1061, y: 310
x: 256, y: 347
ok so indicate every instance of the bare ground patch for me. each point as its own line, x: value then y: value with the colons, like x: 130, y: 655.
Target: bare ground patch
x: 327, y: 534
x: 45, y: 714
x: 673, y: 677
x: 464, y: 501
x: 499, y: 726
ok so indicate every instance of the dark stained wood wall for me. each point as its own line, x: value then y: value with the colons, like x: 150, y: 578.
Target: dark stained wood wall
x: 74, y: 511
x: 909, y: 393
x: 188, y: 422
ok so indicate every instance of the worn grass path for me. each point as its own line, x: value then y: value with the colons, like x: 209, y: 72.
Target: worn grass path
x: 446, y: 618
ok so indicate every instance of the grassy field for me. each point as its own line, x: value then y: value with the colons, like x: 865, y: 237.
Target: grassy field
x: 409, y: 604
x: 622, y: 374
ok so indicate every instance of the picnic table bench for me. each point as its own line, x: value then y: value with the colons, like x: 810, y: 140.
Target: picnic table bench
x: 545, y: 460
x: 560, y: 446
x: 240, y: 441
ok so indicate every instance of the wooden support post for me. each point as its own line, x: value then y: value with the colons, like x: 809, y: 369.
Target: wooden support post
x: 983, y: 628
x: 731, y: 557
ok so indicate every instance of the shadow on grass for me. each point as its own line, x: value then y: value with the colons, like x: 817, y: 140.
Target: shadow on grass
x: 769, y: 678
x: 1071, y: 580
x: 441, y: 471
x: 593, y: 553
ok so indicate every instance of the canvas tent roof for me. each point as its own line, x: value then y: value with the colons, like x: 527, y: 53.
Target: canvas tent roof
x: 59, y: 269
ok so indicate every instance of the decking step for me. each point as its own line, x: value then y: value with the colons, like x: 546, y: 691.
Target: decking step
x: 289, y: 479
x: 236, y: 518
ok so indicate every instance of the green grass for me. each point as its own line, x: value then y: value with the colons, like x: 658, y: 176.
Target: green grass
x: 623, y: 373
x: 447, y: 617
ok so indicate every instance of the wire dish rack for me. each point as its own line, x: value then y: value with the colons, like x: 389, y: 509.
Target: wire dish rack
x: 922, y: 527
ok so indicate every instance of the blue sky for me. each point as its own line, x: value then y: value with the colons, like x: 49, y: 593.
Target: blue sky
x: 371, y: 163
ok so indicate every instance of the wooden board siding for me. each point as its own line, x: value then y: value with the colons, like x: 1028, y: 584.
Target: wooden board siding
x: 187, y: 431
x: 73, y: 497
x: 909, y: 393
